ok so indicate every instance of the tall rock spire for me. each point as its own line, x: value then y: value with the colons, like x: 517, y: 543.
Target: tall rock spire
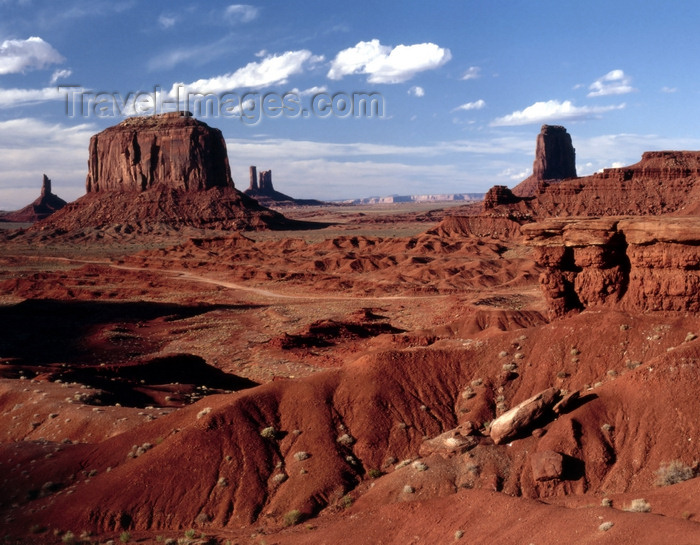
x: 555, y: 160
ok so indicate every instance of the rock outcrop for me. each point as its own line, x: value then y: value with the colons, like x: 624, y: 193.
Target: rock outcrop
x: 499, y: 195
x: 520, y: 418
x: 262, y: 190
x: 172, y: 150
x: 41, y: 208
x: 160, y: 173
x: 628, y: 263
x: 555, y: 159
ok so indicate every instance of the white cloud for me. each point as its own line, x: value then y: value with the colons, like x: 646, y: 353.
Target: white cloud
x: 384, y: 64
x: 273, y: 70
x: 476, y: 105
x: 666, y: 89
x: 614, y: 82
x: 473, y: 72
x: 60, y: 74
x: 167, y: 21
x: 241, y: 13
x: 311, y: 91
x: 552, y: 110
x: 416, y: 91
x: 19, y: 55
x: 515, y: 174
x: 10, y: 98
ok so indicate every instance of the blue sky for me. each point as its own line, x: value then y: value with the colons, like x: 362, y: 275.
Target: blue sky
x: 465, y: 86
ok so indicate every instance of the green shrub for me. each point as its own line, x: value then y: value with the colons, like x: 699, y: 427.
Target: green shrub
x: 292, y: 518
x: 125, y: 537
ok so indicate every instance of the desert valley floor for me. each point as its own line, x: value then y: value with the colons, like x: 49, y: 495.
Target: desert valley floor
x: 333, y: 385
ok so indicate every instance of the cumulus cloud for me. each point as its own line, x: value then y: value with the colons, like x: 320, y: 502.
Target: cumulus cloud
x: 16, y: 56
x: 615, y: 82
x: 473, y: 72
x: 416, y: 91
x: 272, y: 70
x: 476, y: 105
x: 241, y: 13
x: 59, y: 75
x: 552, y: 110
x: 384, y: 64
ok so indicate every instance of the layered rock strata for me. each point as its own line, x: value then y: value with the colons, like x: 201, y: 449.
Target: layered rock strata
x: 629, y: 263
x: 172, y: 150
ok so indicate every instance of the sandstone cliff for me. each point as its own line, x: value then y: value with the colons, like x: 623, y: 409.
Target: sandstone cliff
x: 628, y: 263
x: 172, y: 150
x: 555, y: 159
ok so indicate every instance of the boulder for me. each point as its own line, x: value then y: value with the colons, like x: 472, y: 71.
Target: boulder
x: 547, y: 465
x: 451, y: 442
x: 520, y: 418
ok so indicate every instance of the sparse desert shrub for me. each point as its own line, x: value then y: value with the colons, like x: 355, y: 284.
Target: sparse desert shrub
x: 301, y: 455
x: 68, y: 537
x: 191, y: 533
x: 279, y: 478
x: 292, y: 518
x: 223, y: 483
x: 403, y: 463
x: 374, y: 473
x: 268, y: 433
x: 204, y: 412
x: 345, y: 440
x: 502, y: 354
x: 202, y: 518
x: 672, y: 473
x: 690, y: 337
x: 606, y: 502
x: 510, y: 366
x: 346, y: 501
x: 468, y: 393
x: 459, y: 534
x: 639, y: 505
x: 408, y: 489
x: 125, y: 537
x: 420, y: 466
x: 606, y: 526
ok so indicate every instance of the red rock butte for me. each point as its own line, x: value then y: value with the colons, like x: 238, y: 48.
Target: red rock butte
x: 172, y: 150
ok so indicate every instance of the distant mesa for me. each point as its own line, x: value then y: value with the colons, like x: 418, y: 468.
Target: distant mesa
x: 262, y: 190
x: 555, y: 160
x: 41, y: 208
x: 169, y: 170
